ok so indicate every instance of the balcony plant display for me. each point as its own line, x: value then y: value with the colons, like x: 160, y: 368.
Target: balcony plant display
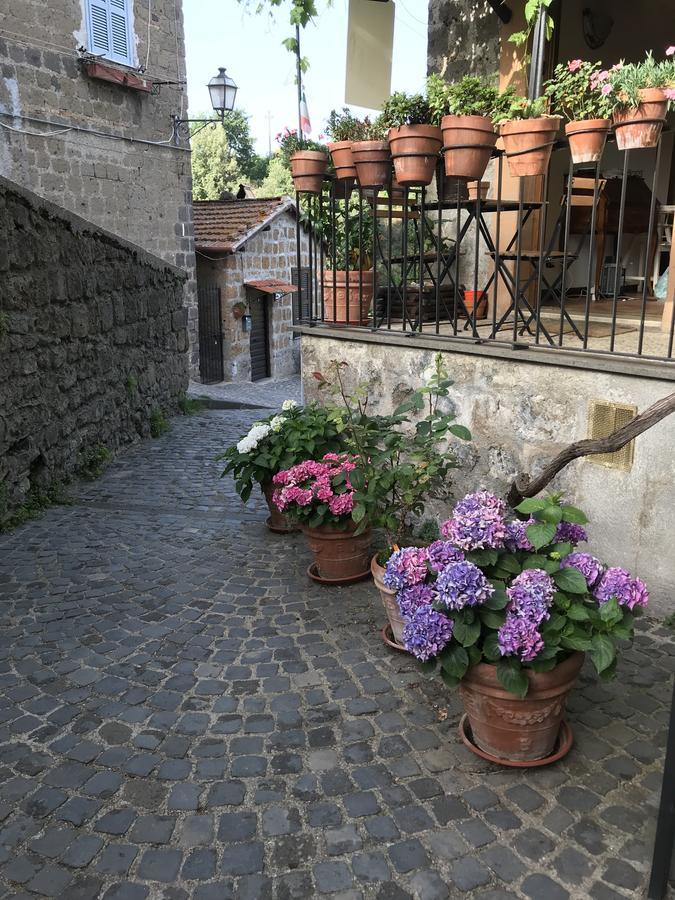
x: 277, y: 442
x: 507, y: 610
x: 528, y: 133
x: 343, y: 127
x: 579, y: 91
x: 371, y: 155
x: 402, y: 463
x: 348, y: 282
x: 308, y: 161
x: 642, y: 93
x: 319, y: 497
x: 414, y: 142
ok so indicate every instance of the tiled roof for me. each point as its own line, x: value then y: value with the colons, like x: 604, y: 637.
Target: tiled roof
x: 271, y: 286
x: 222, y: 226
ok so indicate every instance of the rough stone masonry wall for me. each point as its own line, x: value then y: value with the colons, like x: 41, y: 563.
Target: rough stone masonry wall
x: 92, y: 341
x: 463, y: 38
x: 140, y: 191
x: 520, y: 415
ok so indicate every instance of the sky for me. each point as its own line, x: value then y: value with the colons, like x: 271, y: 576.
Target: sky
x: 248, y: 45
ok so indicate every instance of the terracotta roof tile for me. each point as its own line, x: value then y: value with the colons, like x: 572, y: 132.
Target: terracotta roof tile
x: 224, y: 225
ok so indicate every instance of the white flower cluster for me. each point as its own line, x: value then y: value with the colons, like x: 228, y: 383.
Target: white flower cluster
x: 288, y: 404
x: 276, y: 424
x: 250, y: 441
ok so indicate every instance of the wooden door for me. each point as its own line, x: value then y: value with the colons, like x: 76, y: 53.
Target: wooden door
x: 260, y: 343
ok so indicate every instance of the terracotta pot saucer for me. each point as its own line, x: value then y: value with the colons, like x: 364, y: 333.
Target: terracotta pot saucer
x: 313, y: 573
x: 561, y: 749
x: 280, y: 529
x: 390, y: 640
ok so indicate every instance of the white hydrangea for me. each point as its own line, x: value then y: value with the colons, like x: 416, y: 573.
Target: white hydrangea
x: 288, y: 404
x: 276, y: 424
x: 252, y: 439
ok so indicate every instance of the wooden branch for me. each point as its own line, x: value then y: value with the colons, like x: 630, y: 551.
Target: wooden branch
x: 523, y: 486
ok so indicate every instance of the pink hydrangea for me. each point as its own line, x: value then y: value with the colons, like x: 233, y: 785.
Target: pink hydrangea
x: 670, y: 93
x: 670, y: 51
x: 310, y: 483
x: 574, y: 65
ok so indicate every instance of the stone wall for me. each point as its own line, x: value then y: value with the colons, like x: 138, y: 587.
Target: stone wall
x: 127, y: 178
x: 463, y: 38
x: 93, y: 341
x: 521, y: 414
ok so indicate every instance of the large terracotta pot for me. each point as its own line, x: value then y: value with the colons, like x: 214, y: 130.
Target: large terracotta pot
x: 468, y: 142
x: 641, y: 127
x: 528, y: 144
x: 587, y: 139
x: 343, y: 162
x: 507, y: 727
x: 414, y: 149
x: 307, y: 169
x: 372, y: 161
x: 339, y: 555
x: 388, y: 601
x: 335, y: 301
x: 277, y: 521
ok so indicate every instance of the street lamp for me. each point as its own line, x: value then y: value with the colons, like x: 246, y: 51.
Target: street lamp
x: 222, y: 91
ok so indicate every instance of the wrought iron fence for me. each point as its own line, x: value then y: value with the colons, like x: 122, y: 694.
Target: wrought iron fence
x: 435, y: 261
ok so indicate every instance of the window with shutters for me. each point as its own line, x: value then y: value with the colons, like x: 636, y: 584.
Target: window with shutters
x: 301, y: 299
x: 109, y: 25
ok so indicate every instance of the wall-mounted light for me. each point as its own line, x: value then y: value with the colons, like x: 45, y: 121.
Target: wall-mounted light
x: 223, y: 92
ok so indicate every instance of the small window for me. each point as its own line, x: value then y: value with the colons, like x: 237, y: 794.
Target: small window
x: 302, y: 309
x: 109, y: 25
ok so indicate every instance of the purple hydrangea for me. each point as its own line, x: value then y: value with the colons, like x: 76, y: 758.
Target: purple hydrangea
x: 409, y: 599
x: 516, y: 535
x: 477, y: 522
x: 530, y: 596
x: 590, y: 567
x: 462, y: 584
x: 618, y: 583
x: 568, y: 532
x: 427, y: 633
x: 519, y: 637
x: 405, y: 567
x: 441, y: 553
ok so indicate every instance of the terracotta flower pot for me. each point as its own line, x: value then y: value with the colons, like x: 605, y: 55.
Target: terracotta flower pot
x: 414, y: 149
x: 372, y: 161
x: 468, y: 142
x: 343, y: 163
x: 335, y: 301
x: 339, y: 555
x: 388, y: 601
x: 476, y: 300
x: 507, y: 727
x: 528, y: 144
x: 475, y: 189
x: 277, y: 521
x: 587, y: 139
x: 641, y: 127
x: 307, y: 169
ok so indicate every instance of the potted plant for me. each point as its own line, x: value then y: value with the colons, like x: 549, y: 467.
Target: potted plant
x: 465, y: 111
x: 278, y: 442
x: 238, y: 309
x: 642, y: 93
x: 308, y: 161
x: 507, y: 610
x: 528, y: 133
x: 371, y: 155
x: 579, y: 91
x: 348, y: 283
x: 318, y: 495
x: 343, y: 128
x: 414, y: 142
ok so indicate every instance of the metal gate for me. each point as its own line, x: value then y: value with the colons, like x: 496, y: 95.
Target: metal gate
x: 210, y: 334
x: 260, y: 347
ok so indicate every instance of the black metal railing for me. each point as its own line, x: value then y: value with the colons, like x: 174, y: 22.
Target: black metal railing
x: 494, y: 271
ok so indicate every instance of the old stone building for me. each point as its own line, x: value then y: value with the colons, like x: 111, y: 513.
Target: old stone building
x: 86, y: 99
x: 246, y: 265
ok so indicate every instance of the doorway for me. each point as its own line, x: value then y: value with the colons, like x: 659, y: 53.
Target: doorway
x: 211, y: 367
x: 260, y: 343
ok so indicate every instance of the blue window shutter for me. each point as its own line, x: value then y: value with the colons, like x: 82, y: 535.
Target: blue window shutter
x: 109, y: 32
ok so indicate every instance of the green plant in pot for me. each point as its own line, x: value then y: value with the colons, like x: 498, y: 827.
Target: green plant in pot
x: 343, y: 127
x: 579, y: 91
x: 348, y: 279
x: 642, y: 94
x: 414, y: 141
x: 528, y: 133
x: 308, y: 161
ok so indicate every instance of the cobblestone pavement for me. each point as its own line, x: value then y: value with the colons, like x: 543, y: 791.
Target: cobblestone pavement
x: 185, y: 715
x: 270, y: 392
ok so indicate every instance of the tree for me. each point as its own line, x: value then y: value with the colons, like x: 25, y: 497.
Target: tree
x: 278, y: 181
x: 214, y: 165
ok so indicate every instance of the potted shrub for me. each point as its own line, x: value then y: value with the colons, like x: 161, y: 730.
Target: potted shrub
x: 528, y: 133
x: 579, y: 91
x: 414, y: 142
x: 318, y: 495
x: 465, y: 110
x: 642, y: 93
x: 307, y: 160
x: 278, y: 442
x: 507, y: 610
x: 239, y: 309
x: 371, y: 155
x: 348, y: 284
x: 343, y: 128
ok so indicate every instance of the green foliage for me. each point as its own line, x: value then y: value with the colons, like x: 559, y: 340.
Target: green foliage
x: 347, y: 238
x: 628, y: 79
x: 427, y: 532
x: 158, y: 423
x: 575, y: 91
x: 290, y: 143
x: 522, y: 108
x: 343, y: 125
x: 406, y: 109
x: 215, y: 169
x: 471, y: 96
x: 36, y: 502
x: 93, y: 461
x: 190, y: 406
x: 278, y: 181
x: 532, y: 8
x: 131, y: 384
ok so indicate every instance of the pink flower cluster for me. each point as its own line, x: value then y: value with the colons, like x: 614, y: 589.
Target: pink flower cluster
x: 599, y: 82
x: 312, y: 481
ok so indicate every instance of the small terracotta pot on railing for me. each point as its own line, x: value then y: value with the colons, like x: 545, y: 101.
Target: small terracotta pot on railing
x: 335, y: 300
x: 307, y: 170
x: 415, y: 149
x: 478, y: 301
x: 476, y: 189
x: 528, y: 144
x: 339, y: 555
x: 587, y: 139
x: 343, y: 162
x: 372, y: 161
x: 468, y: 142
x: 388, y: 598
x: 638, y: 128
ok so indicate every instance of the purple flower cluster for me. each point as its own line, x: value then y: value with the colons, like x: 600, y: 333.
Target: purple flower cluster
x: 530, y: 596
x: 590, y: 567
x: 519, y: 637
x: 441, y: 553
x: 516, y: 535
x: 462, y: 584
x: 409, y: 599
x: 427, y: 633
x: 568, y: 532
x: 477, y: 522
x: 405, y: 567
x: 618, y: 583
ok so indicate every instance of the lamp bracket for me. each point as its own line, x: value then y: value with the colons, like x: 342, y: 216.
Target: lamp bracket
x: 181, y: 127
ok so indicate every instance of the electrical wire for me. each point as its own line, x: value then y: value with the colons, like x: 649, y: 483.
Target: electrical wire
x: 147, y: 54
x: 35, y: 133
x: 400, y: 3
x: 106, y: 134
